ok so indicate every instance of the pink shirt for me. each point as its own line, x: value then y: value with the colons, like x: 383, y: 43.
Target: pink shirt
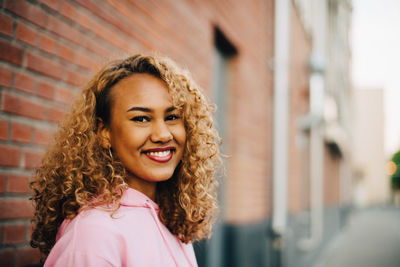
x: 134, y: 236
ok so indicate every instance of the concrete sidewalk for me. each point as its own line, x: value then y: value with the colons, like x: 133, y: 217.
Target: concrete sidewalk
x: 370, y: 239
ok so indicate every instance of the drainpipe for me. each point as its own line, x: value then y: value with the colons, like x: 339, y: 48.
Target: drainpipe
x: 317, y: 99
x: 317, y: 84
x: 281, y: 116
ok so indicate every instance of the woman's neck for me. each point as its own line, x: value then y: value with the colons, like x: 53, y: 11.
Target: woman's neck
x: 146, y: 187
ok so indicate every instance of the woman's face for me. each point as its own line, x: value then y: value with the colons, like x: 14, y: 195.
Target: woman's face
x: 146, y: 131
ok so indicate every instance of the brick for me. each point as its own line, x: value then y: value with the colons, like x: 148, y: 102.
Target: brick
x: 68, y: 11
x: 64, y: 30
x: 62, y: 95
x: 47, y: 44
x: 14, y: 234
x: 32, y: 159
x: 94, y: 26
x: 97, y: 48
x: 84, y: 61
x: 6, y: 25
x: 44, y: 65
x: 43, y: 137
x: 53, y: 4
x: 27, y: 255
x: 9, y: 156
x: 56, y: 114
x: 7, y: 257
x: 24, y: 82
x: 84, y: 20
x: 10, y: 52
x: 18, y: 184
x: 27, y: 11
x: 75, y: 78
x: 16, y: 208
x: 25, y: 34
x: 66, y: 53
x: 3, y: 130
x: 21, y: 133
x: 87, y: 62
x: 115, y: 38
x: 3, y: 182
x: 5, y: 77
x: 45, y: 90
x: 22, y: 106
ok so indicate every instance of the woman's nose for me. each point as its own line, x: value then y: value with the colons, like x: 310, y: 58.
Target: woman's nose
x: 160, y: 132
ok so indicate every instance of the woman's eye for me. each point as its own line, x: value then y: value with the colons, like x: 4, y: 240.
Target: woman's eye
x: 172, y: 117
x: 140, y: 119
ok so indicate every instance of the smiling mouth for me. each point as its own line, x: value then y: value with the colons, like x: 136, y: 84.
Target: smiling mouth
x: 158, y: 155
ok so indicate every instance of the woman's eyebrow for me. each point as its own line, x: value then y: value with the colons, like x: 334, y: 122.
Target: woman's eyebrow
x: 172, y: 108
x: 139, y: 109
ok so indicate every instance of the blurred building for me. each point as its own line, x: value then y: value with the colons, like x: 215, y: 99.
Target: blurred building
x: 278, y: 71
x: 373, y: 185
x: 320, y: 163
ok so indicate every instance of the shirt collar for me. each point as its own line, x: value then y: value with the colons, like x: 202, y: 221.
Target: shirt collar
x: 134, y: 198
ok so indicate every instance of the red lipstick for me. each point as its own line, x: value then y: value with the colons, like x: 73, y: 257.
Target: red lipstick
x: 162, y: 154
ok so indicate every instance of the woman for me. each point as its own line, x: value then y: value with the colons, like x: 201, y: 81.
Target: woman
x: 129, y: 180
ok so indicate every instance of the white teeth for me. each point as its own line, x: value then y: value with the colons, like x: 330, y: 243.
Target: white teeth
x: 160, y: 153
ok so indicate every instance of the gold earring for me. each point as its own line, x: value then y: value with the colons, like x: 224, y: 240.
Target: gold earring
x: 110, y: 153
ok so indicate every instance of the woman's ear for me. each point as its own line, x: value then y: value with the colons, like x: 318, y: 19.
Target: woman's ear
x: 103, y: 134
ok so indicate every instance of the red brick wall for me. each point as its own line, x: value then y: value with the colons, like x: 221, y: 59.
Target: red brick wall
x: 248, y: 185
x: 299, y: 182
x: 50, y: 48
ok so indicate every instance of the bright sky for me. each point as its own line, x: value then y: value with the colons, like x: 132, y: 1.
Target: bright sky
x: 376, y: 58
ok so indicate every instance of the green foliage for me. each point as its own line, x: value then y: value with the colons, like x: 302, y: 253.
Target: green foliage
x: 395, y: 177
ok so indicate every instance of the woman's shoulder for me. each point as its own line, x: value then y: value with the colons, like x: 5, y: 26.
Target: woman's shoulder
x: 99, y: 218
x: 100, y: 233
x: 92, y: 224
x: 94, y: 231
x: 90, y: 235
x: 100, y: 221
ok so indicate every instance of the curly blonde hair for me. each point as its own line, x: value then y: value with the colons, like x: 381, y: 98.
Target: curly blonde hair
x: 78, y: 172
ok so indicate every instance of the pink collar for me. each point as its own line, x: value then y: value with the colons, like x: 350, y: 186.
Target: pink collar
x: 134, y: 198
